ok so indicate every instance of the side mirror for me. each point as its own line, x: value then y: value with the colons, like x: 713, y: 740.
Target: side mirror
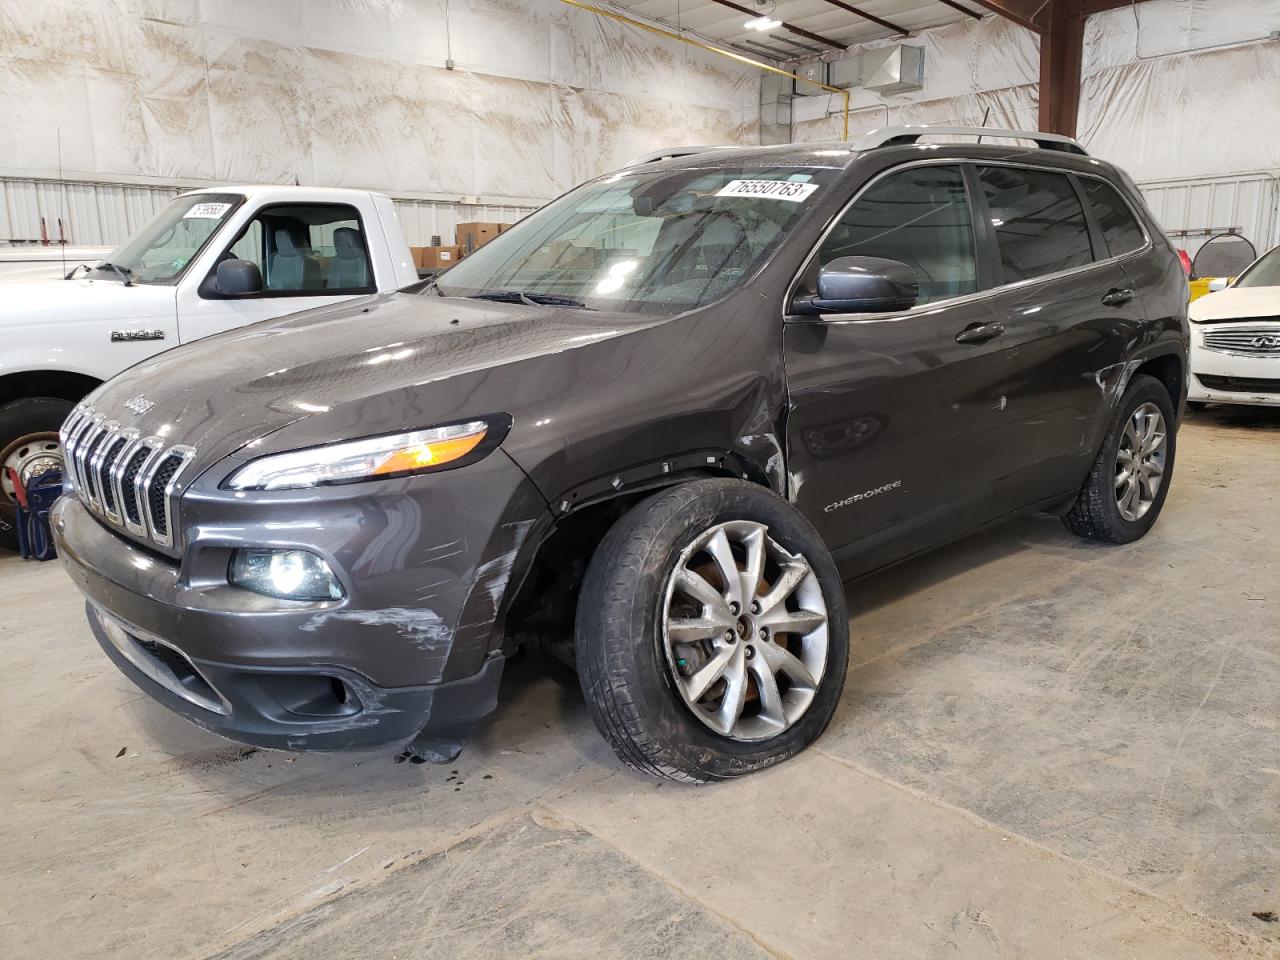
x: 862, y: 285
x: 1219, y: 283
x: 239, y: 278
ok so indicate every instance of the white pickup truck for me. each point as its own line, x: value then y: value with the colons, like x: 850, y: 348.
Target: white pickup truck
x: 211, y: 260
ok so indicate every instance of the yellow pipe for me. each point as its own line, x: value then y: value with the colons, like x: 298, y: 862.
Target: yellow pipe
x: 600, y: 11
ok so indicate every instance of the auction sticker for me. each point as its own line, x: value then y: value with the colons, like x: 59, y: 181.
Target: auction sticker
x: 207, y: 211
x: 768, y: 189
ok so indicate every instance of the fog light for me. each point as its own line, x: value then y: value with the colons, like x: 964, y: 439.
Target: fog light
x: 288, y: 574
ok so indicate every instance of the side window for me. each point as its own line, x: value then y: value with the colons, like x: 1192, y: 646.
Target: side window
x: 919, y: 217
x: 1039, y: 223
x: 1119, y: 228
x: 305, y: 249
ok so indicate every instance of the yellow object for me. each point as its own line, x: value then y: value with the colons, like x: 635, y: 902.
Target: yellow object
x: 600, y: 11
x: 1200, y: 286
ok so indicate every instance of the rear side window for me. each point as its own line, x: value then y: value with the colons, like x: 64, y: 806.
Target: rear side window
x: 1039, y: 223
x: 919, y: 217
x: 1119, y: 228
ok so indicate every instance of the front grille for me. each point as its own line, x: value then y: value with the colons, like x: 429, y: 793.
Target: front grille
x: 1245, y: 341
x: 1239, y: 384
x: 124, y: 478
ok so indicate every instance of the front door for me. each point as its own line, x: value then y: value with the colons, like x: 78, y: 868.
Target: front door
x: 310, y: 255
x: 895, y: 425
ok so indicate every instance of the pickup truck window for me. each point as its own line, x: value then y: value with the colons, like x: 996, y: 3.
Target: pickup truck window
x: 644, y: 240
x: 301, y: 249
x: 160, y: 252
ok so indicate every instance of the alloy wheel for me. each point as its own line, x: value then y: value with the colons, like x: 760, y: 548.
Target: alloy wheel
x: 744, y: 631
x: 1140, y: 461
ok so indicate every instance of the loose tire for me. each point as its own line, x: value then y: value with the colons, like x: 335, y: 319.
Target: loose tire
x: 1128, y: 482
x: 28, y: 436
x: 658, y: 617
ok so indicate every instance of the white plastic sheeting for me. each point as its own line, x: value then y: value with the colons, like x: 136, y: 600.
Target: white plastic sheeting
x: 352, y: 93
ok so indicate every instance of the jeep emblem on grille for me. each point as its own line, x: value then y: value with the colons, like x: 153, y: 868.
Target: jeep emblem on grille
x: 139, y: 404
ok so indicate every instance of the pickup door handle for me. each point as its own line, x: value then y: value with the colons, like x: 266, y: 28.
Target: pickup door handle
x: 980, y: 332
x: 1117, y: 297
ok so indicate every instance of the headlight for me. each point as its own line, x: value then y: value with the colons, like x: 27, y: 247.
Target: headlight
x: 375, y: 458
x: 288, y: 574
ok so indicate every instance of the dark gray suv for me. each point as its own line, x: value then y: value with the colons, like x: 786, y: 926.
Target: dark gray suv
x: 663, y: 419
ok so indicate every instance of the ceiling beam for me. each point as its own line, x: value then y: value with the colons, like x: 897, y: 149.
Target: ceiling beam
x: 1102, y: 6
x: 1032, y: 14
x: 798, y: 31
x: 965, y: 10
x: 849, y: 8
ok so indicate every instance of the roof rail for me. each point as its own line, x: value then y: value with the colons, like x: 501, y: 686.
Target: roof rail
x: 671, y: 153
x: 895, y: 136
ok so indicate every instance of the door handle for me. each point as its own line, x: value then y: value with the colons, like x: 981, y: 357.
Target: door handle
x: 980, y: 332
x: 1117, y: 297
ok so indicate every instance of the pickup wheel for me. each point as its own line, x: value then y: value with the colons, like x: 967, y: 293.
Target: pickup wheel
x: 29, y: 445
x: 712, y: 637
x: 1127, y: 485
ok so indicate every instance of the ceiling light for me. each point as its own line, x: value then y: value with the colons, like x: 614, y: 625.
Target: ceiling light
x: 762, y: 24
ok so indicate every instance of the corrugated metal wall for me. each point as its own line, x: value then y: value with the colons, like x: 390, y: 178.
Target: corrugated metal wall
x: 103, y: 214
x: 1245, y: 203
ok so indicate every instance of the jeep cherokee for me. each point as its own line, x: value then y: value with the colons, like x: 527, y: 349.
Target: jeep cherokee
x: 666, y: 416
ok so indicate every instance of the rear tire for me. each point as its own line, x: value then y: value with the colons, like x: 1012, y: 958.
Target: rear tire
x: 642, y: 657
x: 28, y: 429
x: 1109, y: 508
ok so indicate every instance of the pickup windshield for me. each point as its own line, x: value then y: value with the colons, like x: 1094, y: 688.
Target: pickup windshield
x: 643, y: 240
x: 161, y: 250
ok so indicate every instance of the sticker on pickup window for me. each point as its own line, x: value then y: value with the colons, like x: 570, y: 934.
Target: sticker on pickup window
x: 207, y: 211
x: 789, y: 190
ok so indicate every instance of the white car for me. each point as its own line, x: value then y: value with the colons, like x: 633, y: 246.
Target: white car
x: 1235, y: 339
x: 210, y: 261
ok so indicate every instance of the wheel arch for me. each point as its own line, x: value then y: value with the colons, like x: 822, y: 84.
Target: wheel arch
x: 59, y: 384
x: 1171, y: 370
x: 544, y: 599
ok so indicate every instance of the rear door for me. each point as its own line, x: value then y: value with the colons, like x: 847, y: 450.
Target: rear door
x: 1071, y: 309
x: 894, y: 421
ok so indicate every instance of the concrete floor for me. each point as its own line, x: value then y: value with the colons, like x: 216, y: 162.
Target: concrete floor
x: 1046, y: 749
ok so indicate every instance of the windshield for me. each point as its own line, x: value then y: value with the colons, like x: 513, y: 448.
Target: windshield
x: 1264, y: 273
x: 161, y: 250
x: 646, y: 241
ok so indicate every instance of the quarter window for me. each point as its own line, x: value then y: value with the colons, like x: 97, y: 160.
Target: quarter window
x: 919, y: 217
x: 1038, y: 221
x: 302, y: 249
x: 1119, y: 228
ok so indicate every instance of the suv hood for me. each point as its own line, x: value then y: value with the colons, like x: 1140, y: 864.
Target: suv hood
x: 1245, y: 303
x: 219, y: 393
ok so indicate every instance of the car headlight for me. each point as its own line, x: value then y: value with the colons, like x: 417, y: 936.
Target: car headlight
x: 374, y: 458
x: 287, y: 574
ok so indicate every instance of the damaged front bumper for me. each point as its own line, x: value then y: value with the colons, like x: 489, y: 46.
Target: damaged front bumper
x: 412, y: 654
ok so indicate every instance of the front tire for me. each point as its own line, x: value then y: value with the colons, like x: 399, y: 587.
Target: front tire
x: 1127, y: 485
x: 28, y: 444
x: 712, y: 636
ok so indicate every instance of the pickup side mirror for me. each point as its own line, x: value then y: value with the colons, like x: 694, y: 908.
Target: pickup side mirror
x: 238, y: 278
x: 862, y: 285
x: 1219, y: 283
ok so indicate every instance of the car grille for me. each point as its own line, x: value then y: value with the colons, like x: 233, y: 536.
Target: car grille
x: 1239, y: 384
x: 124, y: 478
x: 1255, y: 342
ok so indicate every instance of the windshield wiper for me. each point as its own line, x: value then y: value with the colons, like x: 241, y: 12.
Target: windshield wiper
x: 121, y: 272
x: 533, y: 299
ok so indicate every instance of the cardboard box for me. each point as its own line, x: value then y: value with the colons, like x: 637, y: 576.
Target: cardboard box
x: 436, y: 258
x: 472, y: 236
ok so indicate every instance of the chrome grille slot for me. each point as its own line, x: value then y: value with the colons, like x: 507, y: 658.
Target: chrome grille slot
x: 125, y: 479
x: 1245, y: 341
